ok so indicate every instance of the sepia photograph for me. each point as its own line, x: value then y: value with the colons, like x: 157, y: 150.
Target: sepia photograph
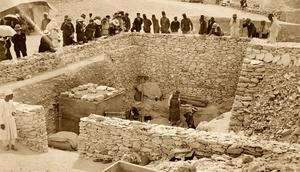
x: 149, y: 85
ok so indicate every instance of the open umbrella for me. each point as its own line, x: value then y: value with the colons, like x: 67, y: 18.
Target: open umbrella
x: 11, y: 17
x: 6, y: 31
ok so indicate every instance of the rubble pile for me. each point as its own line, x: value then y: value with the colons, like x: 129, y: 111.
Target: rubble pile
x: 92, y: 92
x: 113, y: 138
x: 268, y: 95
x: 31, y: 127
x: 225, y: 163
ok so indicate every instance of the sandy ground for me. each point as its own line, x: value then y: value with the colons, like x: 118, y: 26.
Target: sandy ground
x: 75, y: 8
x: 25, y: 160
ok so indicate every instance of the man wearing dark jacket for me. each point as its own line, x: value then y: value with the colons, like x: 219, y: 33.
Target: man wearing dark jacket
x: 175, y: 25
x: 155, y: 24
x: 210, y: 23
x: 90, y: 30
x: 68, y: 31
x: 19, y: 40
x: 80, y: 31
x: 137, y: 23
x: 250, y: 28
x: 203, y: 25
x: 147, y: 24
x: 127, y: 23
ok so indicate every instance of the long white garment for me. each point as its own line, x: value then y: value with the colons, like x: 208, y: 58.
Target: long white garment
x: 274, y: 31
x: 55, y: 34
x: 6, y: 118
x: 235, y: 28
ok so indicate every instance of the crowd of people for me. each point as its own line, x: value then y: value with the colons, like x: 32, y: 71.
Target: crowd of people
x: 90, y: 28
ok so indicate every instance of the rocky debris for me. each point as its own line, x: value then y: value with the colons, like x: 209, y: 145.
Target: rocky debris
x: 115, y: 138
x: 150, y: 89
x: 92, y: 92
x: 220, y: 124
x: 267, y: 96
x: 223, y: 163
x: 136, y: 158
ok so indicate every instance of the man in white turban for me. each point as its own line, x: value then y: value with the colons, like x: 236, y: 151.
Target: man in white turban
x: 8, y: 129
x: 273, y: 29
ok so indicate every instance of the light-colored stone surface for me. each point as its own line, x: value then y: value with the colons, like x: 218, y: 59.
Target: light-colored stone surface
x: 31, y: 127
x: 268, y: 104
x: 111, y: 137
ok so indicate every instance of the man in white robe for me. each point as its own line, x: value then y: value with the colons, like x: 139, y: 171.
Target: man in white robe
x: 234, y: 27
x: 273, y: 29
x: 8, y: 129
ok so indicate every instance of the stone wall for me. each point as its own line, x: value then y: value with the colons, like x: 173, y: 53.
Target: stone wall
x: 41, y: 62
x: 31, y: 126
x: 196, y: 65
x: 267, y: 99
x: 111, y: 138
x: 103, y: 72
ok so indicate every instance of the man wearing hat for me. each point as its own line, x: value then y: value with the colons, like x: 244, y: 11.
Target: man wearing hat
x: 8, y: 129
x: 46, y: 43
x: 19, y: 40
x: 68, y: 31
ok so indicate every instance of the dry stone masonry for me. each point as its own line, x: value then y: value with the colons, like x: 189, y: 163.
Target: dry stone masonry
x: 31, y: 126
x: 214, y: 68
x: 41, y: 62
x: 196, y: 65
x: 111, y: 138
x: 267, y: 99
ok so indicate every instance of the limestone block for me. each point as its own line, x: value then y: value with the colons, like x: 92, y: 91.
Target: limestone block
x: 297, y: 62
x: 268, y: 57
x: 255, y: 62
x: 260, y: 56
x: 285, y: 60
x: 276, y: 58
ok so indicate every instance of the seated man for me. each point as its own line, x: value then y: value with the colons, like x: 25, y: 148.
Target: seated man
x: 134, y: 114
x: 216, y: 30
x: 189, y: 118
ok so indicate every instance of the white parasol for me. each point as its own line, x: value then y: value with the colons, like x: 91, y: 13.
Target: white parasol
x: 6, y: 31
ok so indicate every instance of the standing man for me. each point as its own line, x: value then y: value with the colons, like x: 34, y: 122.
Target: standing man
x: 250, y: 28
x: 174, y: 108
x: 164, y: 23
x: 147, y: 24
x: 90, y: 30
x: 186, y: 25
x: 19, y: 40
x: 80, y: 31
x: 210, y: 23
x: 175, y: 25
x: 127, y: 23
x: 137, y: 23
x: 274, y: 29
x: 203, y: 25
x: 8, y: 129
x: 263, y: 30
x: 155, y: 24
x: 68, y: 32
x: 45, y: 22
x: 234, y: 27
